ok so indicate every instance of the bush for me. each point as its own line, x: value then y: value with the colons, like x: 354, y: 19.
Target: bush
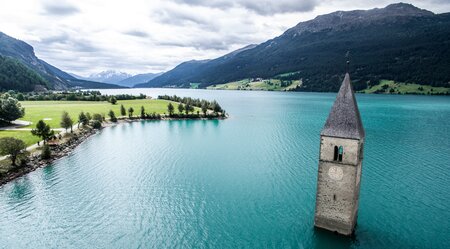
x: 23, y: 158
x: 113, y: 100
x: 97, y: 117
x: 46, y: 153
x: 112, y: 116
x: 96, y: 124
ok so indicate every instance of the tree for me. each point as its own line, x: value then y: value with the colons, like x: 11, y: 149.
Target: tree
x: 113, y: 100
x: 10, y: 108
x: 170, y: 109
x: 96, y: 124
x: 112, y: 116
x: 181, y: 108
x: 82, y: 119
x: 97, y: 117
x: 216, y: 107
x: 43, y: 131
x: 20, y: 97
x: 187, y: 108
x: 12, y: 147
x: 130, y: 112
x: 142, y: 112
x: 123, y: 111
x: 204, y: 108
x: 66, y: 121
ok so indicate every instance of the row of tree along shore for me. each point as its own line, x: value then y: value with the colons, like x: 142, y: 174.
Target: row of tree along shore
x: 73, y: 96
x: 25, y: 162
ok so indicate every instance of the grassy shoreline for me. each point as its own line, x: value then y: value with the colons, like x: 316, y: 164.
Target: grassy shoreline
x: 392, y: 87
x: 258, y: 85
x: 50, y: 112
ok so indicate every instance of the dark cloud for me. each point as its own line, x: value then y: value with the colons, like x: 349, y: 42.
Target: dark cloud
x: 60, y: 9
x: 262, y: 7
x: 84, y: 46
x: 60, y: 38
x: 274, y: 7
x: 137, y: 33
x: 179, y: 17
x: 219, y: 42
x: 68, y: 42
x: 200, y: 44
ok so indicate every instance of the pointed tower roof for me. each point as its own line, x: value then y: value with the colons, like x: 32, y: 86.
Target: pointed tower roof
x: 344, y: 120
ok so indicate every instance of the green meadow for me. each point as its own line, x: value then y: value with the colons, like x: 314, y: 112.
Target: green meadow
x: 261, y: 85
x: 50, y: 112
x: 22, y: 135
x: 392, y: 87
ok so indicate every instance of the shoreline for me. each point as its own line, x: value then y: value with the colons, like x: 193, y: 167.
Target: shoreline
x: 65, y: 148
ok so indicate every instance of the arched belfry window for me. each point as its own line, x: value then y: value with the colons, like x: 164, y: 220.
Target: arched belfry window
x: 336, y: 153
x: 341, y: 152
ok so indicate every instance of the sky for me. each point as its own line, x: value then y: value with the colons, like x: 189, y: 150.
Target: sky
x: 149, y: 36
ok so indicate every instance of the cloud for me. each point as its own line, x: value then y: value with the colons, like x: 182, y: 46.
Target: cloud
x: 262, y: 7
x: 139, y: 36
x: 59, y: 38
x: 71, y: 42
x: 178, y: 17
x: 60, y: 9
x: 137, y: 33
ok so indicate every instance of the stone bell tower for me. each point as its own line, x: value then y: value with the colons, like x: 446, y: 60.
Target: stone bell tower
x: 340, y: 161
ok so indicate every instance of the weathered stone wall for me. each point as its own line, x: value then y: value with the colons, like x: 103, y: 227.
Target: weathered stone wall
x: 351, y: 149
x: 338, y: 186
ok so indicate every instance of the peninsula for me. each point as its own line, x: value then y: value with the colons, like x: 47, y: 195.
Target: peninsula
x: 45, y: 130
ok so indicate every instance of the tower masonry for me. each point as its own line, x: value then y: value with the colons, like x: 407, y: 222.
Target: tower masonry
x: 340, y: 161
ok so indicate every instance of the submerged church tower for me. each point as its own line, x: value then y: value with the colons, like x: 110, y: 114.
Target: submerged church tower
x: 340, y: 161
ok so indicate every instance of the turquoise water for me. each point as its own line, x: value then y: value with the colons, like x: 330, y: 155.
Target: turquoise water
x: 245, y: 182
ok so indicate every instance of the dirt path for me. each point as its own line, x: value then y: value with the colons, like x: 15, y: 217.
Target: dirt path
x: 35, y: 146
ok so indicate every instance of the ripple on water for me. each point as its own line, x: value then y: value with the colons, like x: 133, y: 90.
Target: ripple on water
x: 248, y: 181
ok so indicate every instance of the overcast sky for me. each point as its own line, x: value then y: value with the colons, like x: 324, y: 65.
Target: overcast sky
x: 140, y: 36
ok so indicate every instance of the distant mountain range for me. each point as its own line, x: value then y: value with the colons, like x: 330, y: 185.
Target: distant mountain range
x: 109, y: 76
x: 20, y: 69
x: 137, y: 79
x: 119, y: 78
x: 399, y: 42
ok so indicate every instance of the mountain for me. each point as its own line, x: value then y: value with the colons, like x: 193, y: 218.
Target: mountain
x: 21, y: 59
x: 109, y: 76
x: 14, y: 75
x: 179, y: 72
x: 399, y: 42
x: 138, y: 78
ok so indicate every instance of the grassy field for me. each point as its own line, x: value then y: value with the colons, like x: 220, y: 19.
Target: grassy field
x: 391, y: 87
x: 23, y: 135
x: 261, y: 85
x: 194, y: 85
x: 51, y: 111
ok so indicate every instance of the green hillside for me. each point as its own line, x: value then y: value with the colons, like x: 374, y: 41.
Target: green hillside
x: 14, y: 75
x: 399, y: 42
x: 258, y: 84
x: 392, y: 87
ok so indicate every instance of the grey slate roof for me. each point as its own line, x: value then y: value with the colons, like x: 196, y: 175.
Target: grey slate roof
x: 344, y: 120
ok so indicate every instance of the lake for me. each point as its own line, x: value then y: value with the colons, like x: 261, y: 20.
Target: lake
x: 245, y: 182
